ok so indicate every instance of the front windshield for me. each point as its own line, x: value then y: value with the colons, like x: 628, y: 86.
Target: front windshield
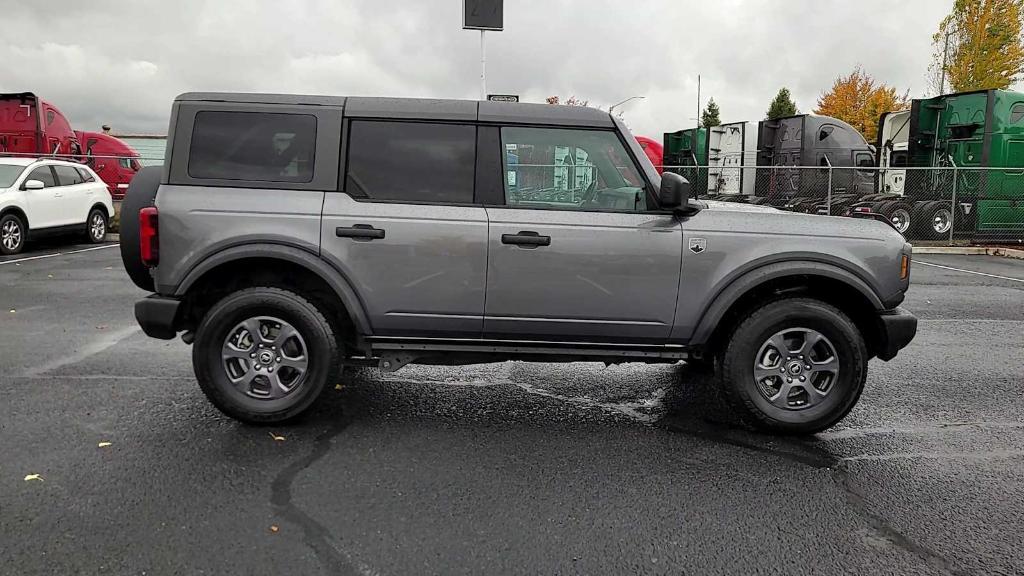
x: 9, y: 173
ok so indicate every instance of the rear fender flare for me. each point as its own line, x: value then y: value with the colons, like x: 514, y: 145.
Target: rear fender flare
x: 754, y: 278
x: 338, y: 283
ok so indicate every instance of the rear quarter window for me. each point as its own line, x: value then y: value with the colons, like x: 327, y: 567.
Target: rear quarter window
x: 68, y: 175
x: 253, y: 146
x: 86, y: 175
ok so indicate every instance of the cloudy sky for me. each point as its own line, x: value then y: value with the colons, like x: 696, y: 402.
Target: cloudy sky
x: 122, y: 62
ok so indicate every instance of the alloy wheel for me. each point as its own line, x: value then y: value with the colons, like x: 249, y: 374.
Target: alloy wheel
x: 10, y: 235
x: 796, y: 368
x: 97, y: 226
x: 941, y: 221
x: 265, y: 358
x: 900, y: 218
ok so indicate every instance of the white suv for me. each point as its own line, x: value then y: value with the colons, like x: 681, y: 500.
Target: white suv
x: 39, y: 197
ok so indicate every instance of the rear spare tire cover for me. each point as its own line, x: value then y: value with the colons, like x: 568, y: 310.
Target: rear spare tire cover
x: 141, y: 193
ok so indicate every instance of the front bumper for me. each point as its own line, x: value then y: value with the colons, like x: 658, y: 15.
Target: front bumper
x: 157, y: 315
x: 898, y: 328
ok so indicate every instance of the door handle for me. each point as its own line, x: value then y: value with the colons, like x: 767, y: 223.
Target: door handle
x: 526, y: 238
x: 359, y: 232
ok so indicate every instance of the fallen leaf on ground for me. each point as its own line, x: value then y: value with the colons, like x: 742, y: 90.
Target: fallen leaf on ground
x: 32, y: 477
x: 276, y: 437
x: 109, y: 268
x: 49, y: 275
x: 102, y: 327
x: 13, y: 310
x: 274, y: 528
x: 338, y: 386
x: 103, y: 444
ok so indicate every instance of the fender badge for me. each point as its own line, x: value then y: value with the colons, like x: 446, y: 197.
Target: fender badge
x: 698, y: 245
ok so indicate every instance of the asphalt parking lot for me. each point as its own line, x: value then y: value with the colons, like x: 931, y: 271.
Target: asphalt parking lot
x: 508, y: 468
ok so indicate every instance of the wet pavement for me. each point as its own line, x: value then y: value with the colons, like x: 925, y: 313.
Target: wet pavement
x: 506, y: 468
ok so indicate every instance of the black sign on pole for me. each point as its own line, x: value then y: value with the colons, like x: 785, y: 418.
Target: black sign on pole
x: 482, y: 15
x: 503, y: 97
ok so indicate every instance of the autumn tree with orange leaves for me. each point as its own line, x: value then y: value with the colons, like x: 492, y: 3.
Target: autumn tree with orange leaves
x: 985, y: 48
x: 859, y: 100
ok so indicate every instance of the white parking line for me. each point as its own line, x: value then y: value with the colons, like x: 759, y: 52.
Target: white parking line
x: 58, y: 254
x: 968, y: 271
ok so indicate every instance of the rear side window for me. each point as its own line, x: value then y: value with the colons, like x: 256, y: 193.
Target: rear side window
x: 44, y: 175
x: 1016, y: 113
x: 86, y: 177
x: 68, y: 176
x: 254, y: 146
x: 411, y: 161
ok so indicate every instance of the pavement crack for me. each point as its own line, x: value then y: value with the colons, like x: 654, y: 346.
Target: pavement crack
x: 859, y: 504
x: 317, y: 536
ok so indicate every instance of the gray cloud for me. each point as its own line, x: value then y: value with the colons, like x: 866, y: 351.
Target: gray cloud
x: 123, y: 62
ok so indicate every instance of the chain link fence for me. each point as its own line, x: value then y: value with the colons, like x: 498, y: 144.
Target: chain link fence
x: 946, y: 205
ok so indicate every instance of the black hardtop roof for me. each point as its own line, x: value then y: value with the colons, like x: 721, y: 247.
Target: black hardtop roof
x: 424, y: 108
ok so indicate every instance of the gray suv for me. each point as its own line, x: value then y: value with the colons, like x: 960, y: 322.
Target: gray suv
x: 288, y: 236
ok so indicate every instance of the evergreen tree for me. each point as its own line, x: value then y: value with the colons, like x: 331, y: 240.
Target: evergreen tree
x: 782, y: 106
x: 710, y: 116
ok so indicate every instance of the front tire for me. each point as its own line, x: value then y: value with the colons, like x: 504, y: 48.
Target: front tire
x: 96, y: 226
x: 264, y: 355
x: 796, y: 366
x: 12, y: 234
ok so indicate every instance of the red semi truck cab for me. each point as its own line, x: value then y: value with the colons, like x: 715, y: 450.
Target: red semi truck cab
x: 654, y: 150
x: 30, y: 125
x: 113, y: 161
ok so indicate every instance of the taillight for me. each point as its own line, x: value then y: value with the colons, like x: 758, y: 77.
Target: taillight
x: 149, y: 236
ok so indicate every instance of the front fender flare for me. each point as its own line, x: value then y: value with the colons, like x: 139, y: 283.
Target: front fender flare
x: 341, y: 286
x: 754, y: 278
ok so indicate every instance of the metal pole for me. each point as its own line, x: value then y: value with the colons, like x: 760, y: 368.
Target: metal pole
x: 698, y: 104
x: 483, y: 67
x: 952, y: 207
x: 828, y: 196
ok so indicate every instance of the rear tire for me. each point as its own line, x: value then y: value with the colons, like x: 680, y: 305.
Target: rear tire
x: 96, y: 226
x: 12, y: 234
x: 806, y: 406
x: 934, y: 221
x: 264, y: 355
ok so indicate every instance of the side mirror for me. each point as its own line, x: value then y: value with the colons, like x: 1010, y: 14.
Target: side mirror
x: 675, y: 190
x: 34, y: 185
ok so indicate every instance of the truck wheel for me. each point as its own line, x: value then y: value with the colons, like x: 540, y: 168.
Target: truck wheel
x: 796, y: 366
x: 264, y: 355
x: 900, y: 216
x: 96, y: 226
x: 896, y: 212
x: 12, y: 234
x: 935, y: 221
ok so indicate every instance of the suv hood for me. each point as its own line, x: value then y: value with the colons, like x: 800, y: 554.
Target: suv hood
x: 740, y: 207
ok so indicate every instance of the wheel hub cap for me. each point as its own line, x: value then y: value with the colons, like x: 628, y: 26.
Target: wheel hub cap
x: 796, y: 368
x: 265, y: 357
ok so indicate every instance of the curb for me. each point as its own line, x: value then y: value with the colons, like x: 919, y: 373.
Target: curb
x: 971, y: 251
x: 112, y: 237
